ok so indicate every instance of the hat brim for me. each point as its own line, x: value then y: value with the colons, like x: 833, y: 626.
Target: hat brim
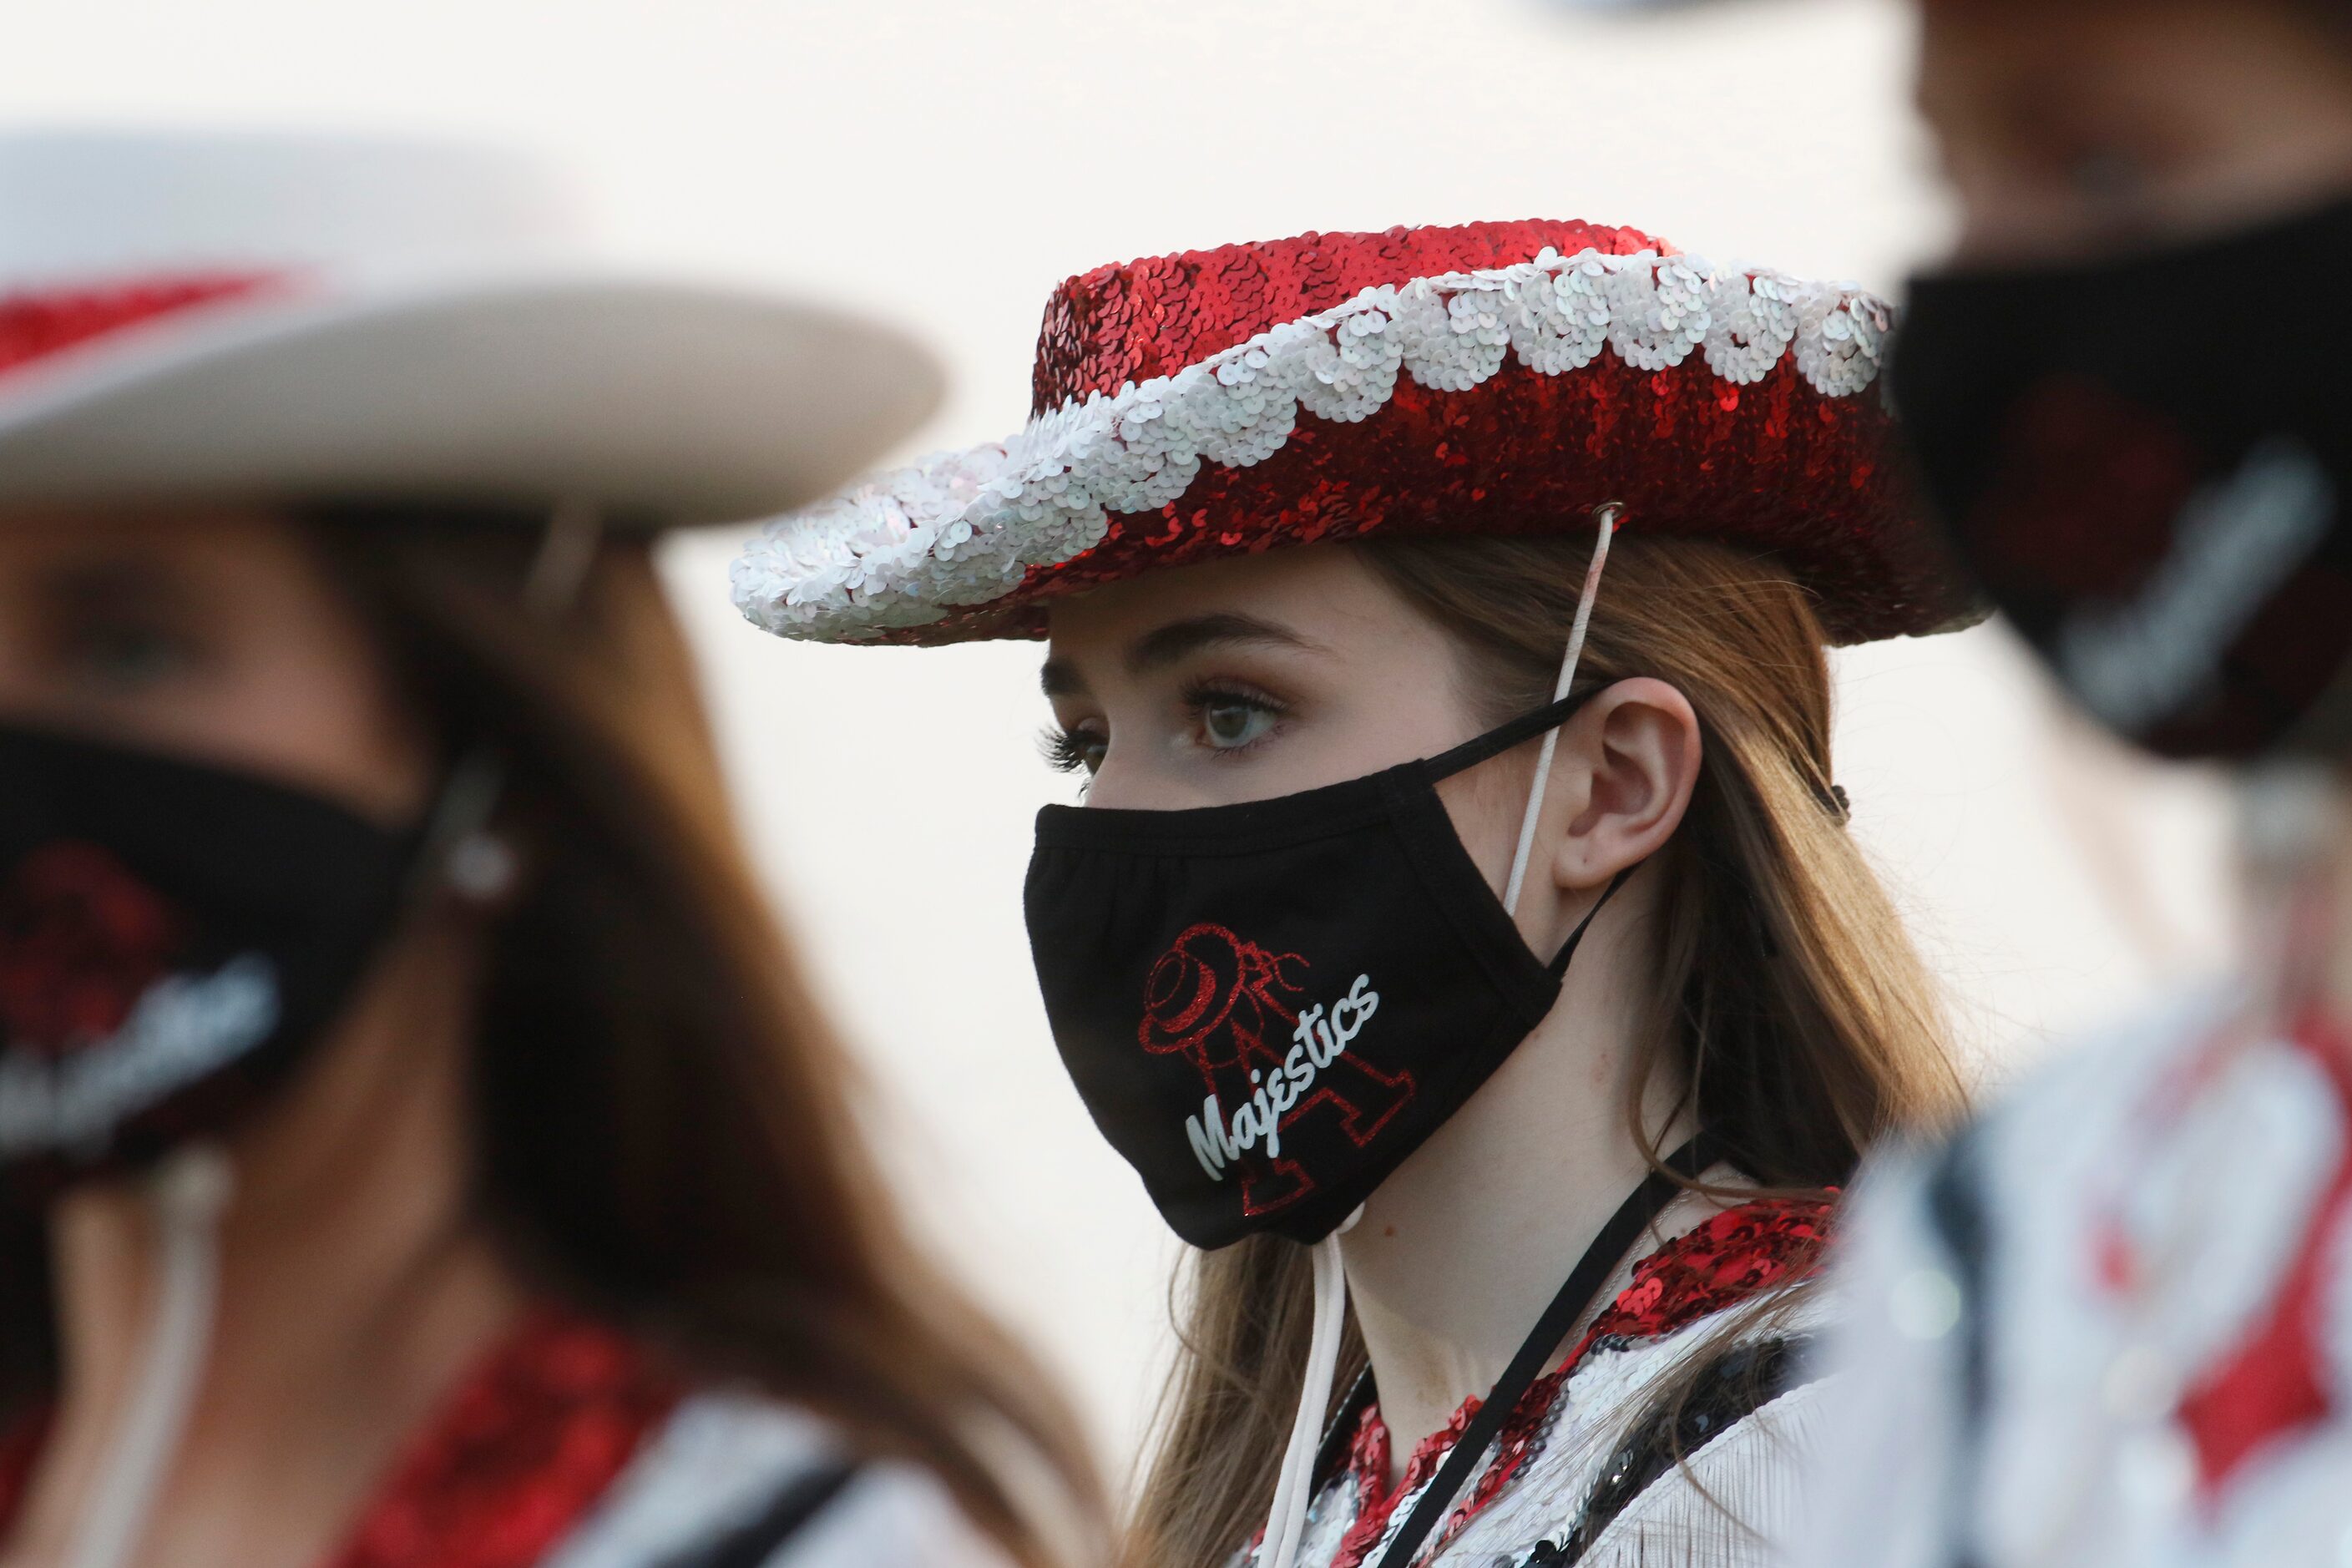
x: 1740, y: 408
x: 662, y: 402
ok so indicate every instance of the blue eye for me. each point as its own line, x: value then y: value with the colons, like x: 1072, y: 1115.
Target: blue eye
x: 1230, y: 721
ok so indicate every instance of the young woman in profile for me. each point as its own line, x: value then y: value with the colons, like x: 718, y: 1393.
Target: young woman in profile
x: 1428, y: 609
x: 418, y: 1146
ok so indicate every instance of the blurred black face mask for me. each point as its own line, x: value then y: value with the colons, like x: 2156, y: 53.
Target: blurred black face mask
x: 1268, y: 1006
x: 174, y: 940
x: 2146, y: 462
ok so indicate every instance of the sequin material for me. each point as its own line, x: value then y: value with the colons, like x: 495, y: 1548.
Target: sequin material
x: 1728, y: 1390
x: 1490, y: 379
x: 515, y: 1458
x: 34, y: 327
x: 519, y: 1455
x: 1732, y: 1257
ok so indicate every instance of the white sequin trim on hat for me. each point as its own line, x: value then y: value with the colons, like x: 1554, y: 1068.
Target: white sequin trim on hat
x: 961, y: 528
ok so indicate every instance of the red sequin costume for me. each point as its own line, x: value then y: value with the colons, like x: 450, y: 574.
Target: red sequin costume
x: 1580, y: 1473
x: 567, y: 1446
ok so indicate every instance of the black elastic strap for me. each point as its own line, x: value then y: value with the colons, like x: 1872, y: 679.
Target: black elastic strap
x: 1493, y: 743
x: 1568, y: 1308
x: 1568, y: 948
x: 757, y: 1539
x: 1519, y: 731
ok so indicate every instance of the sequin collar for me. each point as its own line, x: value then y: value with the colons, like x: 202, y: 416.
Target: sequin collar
x: 517, y: 1454
x: 1719, y: 1263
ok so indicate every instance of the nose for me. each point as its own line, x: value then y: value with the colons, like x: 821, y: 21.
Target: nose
x: 1122, y: 784
x: 1138, y: 777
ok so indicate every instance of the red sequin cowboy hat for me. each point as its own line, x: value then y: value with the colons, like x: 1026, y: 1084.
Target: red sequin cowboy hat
x: 1493, y: 378
x: 305, y: 316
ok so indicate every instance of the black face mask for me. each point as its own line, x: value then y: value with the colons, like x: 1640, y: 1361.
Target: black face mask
x: 2146, y: 462
x: 1268, y: 1006
x: 173, y: 938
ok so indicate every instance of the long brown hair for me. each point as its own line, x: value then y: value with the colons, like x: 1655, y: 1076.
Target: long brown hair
x: 665, y: 1120
x: 1790, y: 1011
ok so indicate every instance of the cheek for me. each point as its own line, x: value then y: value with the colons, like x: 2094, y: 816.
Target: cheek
x: 2294, y: 150
x: 303, y: 694
x: 1486, y: 805
x: 219, y: 638
x: 329, y: 725
x: 295, y: 693
x: 335, y: 725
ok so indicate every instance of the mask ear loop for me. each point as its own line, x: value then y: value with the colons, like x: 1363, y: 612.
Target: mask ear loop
x: 477, y: 781
x: 1285, y: 1523
x: 190, y: 1189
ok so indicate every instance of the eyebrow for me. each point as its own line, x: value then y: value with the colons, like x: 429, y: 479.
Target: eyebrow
x: 1165, y: 645
x: 1159, y: 648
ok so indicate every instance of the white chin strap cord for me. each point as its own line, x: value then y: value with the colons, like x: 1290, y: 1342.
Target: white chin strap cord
x: 1294, y: 1490
x: 191, y: 1191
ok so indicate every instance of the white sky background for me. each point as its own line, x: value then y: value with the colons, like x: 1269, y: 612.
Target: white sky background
x: 946, y: 162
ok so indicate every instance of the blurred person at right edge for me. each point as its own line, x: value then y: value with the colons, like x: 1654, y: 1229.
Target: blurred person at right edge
x: 2112, y: 1322
x: 418, y: 1149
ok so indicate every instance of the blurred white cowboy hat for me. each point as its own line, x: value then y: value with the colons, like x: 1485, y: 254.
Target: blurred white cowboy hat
x: 190, y: 313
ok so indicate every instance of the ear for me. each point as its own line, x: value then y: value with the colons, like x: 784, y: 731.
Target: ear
x: 1621, y: 783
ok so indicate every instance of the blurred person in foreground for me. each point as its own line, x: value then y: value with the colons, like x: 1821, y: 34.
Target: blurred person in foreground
x: 418, y: 1145
x: 1461, y: 935
x: 2112, y: 1323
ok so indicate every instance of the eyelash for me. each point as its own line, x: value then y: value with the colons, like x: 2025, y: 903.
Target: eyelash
x: 1062, y: 751
x: 1065, y: 754
x: 1201, y: 695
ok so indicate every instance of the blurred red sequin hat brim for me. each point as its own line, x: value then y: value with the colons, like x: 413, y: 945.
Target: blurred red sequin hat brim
x: 35, y: 327
x: 1490, y: 379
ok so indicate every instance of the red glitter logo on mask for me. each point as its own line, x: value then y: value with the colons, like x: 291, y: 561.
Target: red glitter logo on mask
x: 82, y: 940
x: 2087, y: 489
x: 1267, y: 1056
